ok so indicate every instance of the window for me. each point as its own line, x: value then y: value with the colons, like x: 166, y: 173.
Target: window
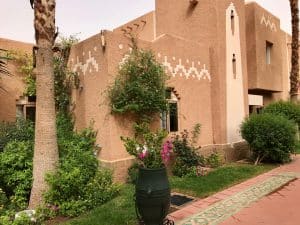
x: 269, y: 47
x: 169, y: 119
x: 232, y: 21
x: 25, y: 108
x: 234, y: 66
x: 254, y: 109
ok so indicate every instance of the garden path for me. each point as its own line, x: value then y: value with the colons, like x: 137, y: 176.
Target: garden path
x: 270, y: 199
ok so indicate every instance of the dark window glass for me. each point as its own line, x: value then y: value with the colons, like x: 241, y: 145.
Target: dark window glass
x: 31, y: 98
x: 30, y: 113
x: 173, y: 117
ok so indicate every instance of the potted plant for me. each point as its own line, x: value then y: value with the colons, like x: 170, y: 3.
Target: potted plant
x: 152, y: 187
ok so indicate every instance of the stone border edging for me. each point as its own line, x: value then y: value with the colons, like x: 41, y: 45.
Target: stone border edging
x: 221, y: 210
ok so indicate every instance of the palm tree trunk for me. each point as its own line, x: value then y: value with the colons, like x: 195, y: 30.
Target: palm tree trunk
x: 45, y: 148
x: 294, y: 79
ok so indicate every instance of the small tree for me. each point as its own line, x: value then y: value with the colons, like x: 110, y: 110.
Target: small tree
x: 139, y: 87
x: 271, y: 137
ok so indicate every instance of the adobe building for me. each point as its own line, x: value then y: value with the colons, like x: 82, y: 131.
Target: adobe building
x: 224, y: 58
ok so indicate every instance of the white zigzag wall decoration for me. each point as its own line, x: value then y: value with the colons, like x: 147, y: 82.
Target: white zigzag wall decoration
x: 268, y: 23
x: 181, y: 70
x: 91, y: 61
x: 189, y: 72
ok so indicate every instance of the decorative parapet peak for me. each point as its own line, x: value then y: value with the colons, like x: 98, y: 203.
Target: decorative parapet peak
x: 268, y: 23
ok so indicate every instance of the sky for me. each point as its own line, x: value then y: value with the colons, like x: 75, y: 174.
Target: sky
x: 87, y: 17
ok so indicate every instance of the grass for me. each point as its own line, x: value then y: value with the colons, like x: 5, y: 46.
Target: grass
x: 121, y: 209
x: 217, y: 180
x: 118, y: 211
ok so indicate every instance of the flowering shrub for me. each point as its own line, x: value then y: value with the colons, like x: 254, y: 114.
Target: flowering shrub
x: 139, y: 86
x: 148, y: 147
x: 185, y: 150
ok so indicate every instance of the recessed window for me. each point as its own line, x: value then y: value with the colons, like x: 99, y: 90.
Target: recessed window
x: 169, y: 119
x: 253, y: 109
x: 25, y: 108
x: 269, y: 49
x: 232, y: 21
x: 234, y: 66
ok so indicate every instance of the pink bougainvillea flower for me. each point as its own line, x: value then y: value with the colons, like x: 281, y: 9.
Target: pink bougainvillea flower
x: 166, y: 151
x: 144, y: 152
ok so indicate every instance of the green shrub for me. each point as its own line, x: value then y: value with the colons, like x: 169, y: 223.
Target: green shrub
x: 287, y: 109
x: 79, y: 185
x: 133, y: 173
x: 3, y: 200
x: 139, y: 86
x: 271, y: 137
x: 186, y: 157
x: 214, y: 160
x: 16, y: 172
x: 21, y: 130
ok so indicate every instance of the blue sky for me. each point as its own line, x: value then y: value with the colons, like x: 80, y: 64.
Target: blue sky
x: 88, y: 17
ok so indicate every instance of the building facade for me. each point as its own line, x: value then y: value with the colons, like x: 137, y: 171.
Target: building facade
x: 224, y: 58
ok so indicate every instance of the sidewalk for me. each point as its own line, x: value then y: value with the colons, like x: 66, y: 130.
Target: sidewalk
x: 229, y: 206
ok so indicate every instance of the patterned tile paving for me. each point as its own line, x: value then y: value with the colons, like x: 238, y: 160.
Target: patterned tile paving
x: 223, y: 209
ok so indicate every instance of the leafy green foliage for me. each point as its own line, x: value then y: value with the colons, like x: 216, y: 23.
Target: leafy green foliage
x: 21, y: 130
x: 22, y: 220
x: 16, y: 172
x: 146, y: 146
x: 64, y: 79
x: 288, y: 109
x: 133, y: 173
x: 186, y: 157
x: 271, y: 137
x: 3, y: 200
x: 139, y: 86
x: 25, y: 66
x: 214, y: 160
x: 78, y: 184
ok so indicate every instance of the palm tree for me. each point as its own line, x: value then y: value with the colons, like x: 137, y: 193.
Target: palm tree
x: 294, y: 79
x: 45, y: 158
x: 3, y: 68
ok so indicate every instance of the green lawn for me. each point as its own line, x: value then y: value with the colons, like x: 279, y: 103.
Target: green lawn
x: 120, y: 211
x: 217, y: 180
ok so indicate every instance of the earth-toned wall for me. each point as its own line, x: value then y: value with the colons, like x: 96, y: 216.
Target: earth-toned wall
x: 11, y: 86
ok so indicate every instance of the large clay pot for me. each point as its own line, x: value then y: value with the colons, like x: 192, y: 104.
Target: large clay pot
x: 152, y: 195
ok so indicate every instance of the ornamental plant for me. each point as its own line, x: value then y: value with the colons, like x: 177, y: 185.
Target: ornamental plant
x: 139, y: 86
x: 271, y: 137
x: 185, y: 150
x: 150, y: 148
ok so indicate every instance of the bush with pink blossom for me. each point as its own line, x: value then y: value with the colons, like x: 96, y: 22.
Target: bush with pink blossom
x: 150, y: 148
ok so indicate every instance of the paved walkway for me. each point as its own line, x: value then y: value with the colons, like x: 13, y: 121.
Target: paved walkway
x: 272, y: 198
